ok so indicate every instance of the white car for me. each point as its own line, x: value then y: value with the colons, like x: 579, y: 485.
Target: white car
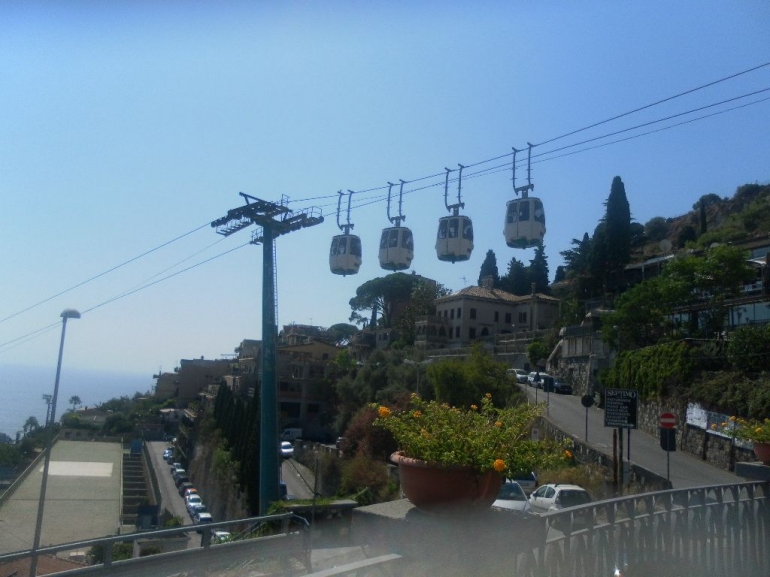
x: 512, y: 497
x: 221, y: 536
x: 555, y: 496
x: 192, y: 504
x: 537, y: 379
x: 519, y: 374
x: 202, y: 519
x: 287, y: 450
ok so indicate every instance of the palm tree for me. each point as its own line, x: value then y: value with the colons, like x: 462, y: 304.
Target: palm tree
x: 30, y: 425
x: 47, y: 399
x: 75, y: 401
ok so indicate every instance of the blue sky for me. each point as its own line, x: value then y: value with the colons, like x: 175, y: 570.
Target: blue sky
x: 126, y: 125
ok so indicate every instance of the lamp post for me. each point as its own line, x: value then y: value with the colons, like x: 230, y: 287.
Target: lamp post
x: 67, y: 314
x: 419, y: 365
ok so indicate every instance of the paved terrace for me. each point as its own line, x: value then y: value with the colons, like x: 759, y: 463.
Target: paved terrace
x: 82, y: 497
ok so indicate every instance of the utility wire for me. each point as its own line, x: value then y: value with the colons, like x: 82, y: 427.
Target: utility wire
x: 39, y: 332
x: 136, y: 290
x: 653, y: 104
x: 551, y: 153
x: 595, y: 124
x: 65, y: 291
x: 483, y: 172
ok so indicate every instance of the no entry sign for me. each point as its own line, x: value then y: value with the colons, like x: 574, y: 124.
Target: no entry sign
x: 668, y: 420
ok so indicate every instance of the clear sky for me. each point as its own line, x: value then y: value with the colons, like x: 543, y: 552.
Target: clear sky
x: 128, y: 124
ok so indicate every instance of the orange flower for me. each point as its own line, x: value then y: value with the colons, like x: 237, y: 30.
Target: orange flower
x: 417, y: 414
x: 498, y: 423
x: 732, y: 419
x: 499, y: 465
x: 384, y: 412
x: 713, y: 426
x: 474, y: 408
x: 568, y: 454
x: 488, y: 395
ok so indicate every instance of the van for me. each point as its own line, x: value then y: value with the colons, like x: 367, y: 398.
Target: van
x: 291, y: 434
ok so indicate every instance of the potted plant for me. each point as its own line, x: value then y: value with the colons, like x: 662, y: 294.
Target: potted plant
x: 753, y: 430
x: 450, y: 457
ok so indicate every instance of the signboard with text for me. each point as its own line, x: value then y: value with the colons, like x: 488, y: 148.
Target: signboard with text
x: 620, y: 408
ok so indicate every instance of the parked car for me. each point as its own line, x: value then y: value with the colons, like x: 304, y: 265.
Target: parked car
x: 191, y: 504
x: 184, y: 487
x: 555, y: 496
x: 177, y: 472
x: 199, y: 508
x: 539, y: 380
x: 512, y: 497
x: 519, y: 374
x: 527, y: 481
x: 175, y: 466
x: 220, y: 536
x: 202, y: 519
x: 562, y: 388
x: 287, y: 449
x: 189, y: 491
x: 183, y: 478
x: 167, y: 454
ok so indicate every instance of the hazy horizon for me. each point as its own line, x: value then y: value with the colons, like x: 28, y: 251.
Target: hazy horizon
x: 25, y: 385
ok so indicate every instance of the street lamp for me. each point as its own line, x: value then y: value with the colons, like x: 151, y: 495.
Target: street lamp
x: 419, y: 365
x: 66, y: 314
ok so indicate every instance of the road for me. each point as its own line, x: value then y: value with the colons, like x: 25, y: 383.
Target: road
x: 299, y: 479
x: 566, y: 412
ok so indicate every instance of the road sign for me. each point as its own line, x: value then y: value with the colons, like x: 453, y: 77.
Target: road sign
x: 668, y: 439
x: 620, y: 408
x: 587, y: 401
x: 668, y: 420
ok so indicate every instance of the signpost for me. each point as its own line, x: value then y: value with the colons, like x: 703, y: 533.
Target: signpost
x: 620, y: 412
x: 668, y: 439
x: 587, y: 401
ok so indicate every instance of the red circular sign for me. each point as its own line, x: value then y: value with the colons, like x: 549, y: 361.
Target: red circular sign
x: 668, y: 420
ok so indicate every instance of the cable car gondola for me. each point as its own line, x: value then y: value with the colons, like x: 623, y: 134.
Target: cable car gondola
x: 454, y: 239
x: 525, y: 216
x: 345, y: 252
x: 396, y: 242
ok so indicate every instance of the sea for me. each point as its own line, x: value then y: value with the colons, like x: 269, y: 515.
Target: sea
x: 23, y: 388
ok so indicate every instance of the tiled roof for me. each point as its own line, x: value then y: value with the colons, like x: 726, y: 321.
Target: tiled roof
x: 493, y: 295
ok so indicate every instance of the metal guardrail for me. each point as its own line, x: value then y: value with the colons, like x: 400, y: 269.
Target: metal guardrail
x: 24, y: 474
x: 717, y: 531
x: 292, y: 539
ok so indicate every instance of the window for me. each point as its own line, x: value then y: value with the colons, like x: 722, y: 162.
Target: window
x: 459, y: 312
x: 452, y: 314
x: 507, y: 318
x: 471, y: 333
x: 457, y: 332
x: 497, y: 316
x: 473, y: 313
x: 523, y: 317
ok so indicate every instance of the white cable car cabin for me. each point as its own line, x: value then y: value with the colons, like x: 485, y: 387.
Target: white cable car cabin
x: 524, y: 223
x: 396, y: 248
x: 345, y: 254
x: 454, y: 240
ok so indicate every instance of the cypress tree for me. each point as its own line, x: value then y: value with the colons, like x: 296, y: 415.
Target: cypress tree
x: 538, y: 270
x: 617, y: 231
x: 489, y: 268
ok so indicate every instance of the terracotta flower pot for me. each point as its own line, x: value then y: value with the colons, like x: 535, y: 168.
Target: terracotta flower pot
x: 439, y: 488
x: 762, y: 451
